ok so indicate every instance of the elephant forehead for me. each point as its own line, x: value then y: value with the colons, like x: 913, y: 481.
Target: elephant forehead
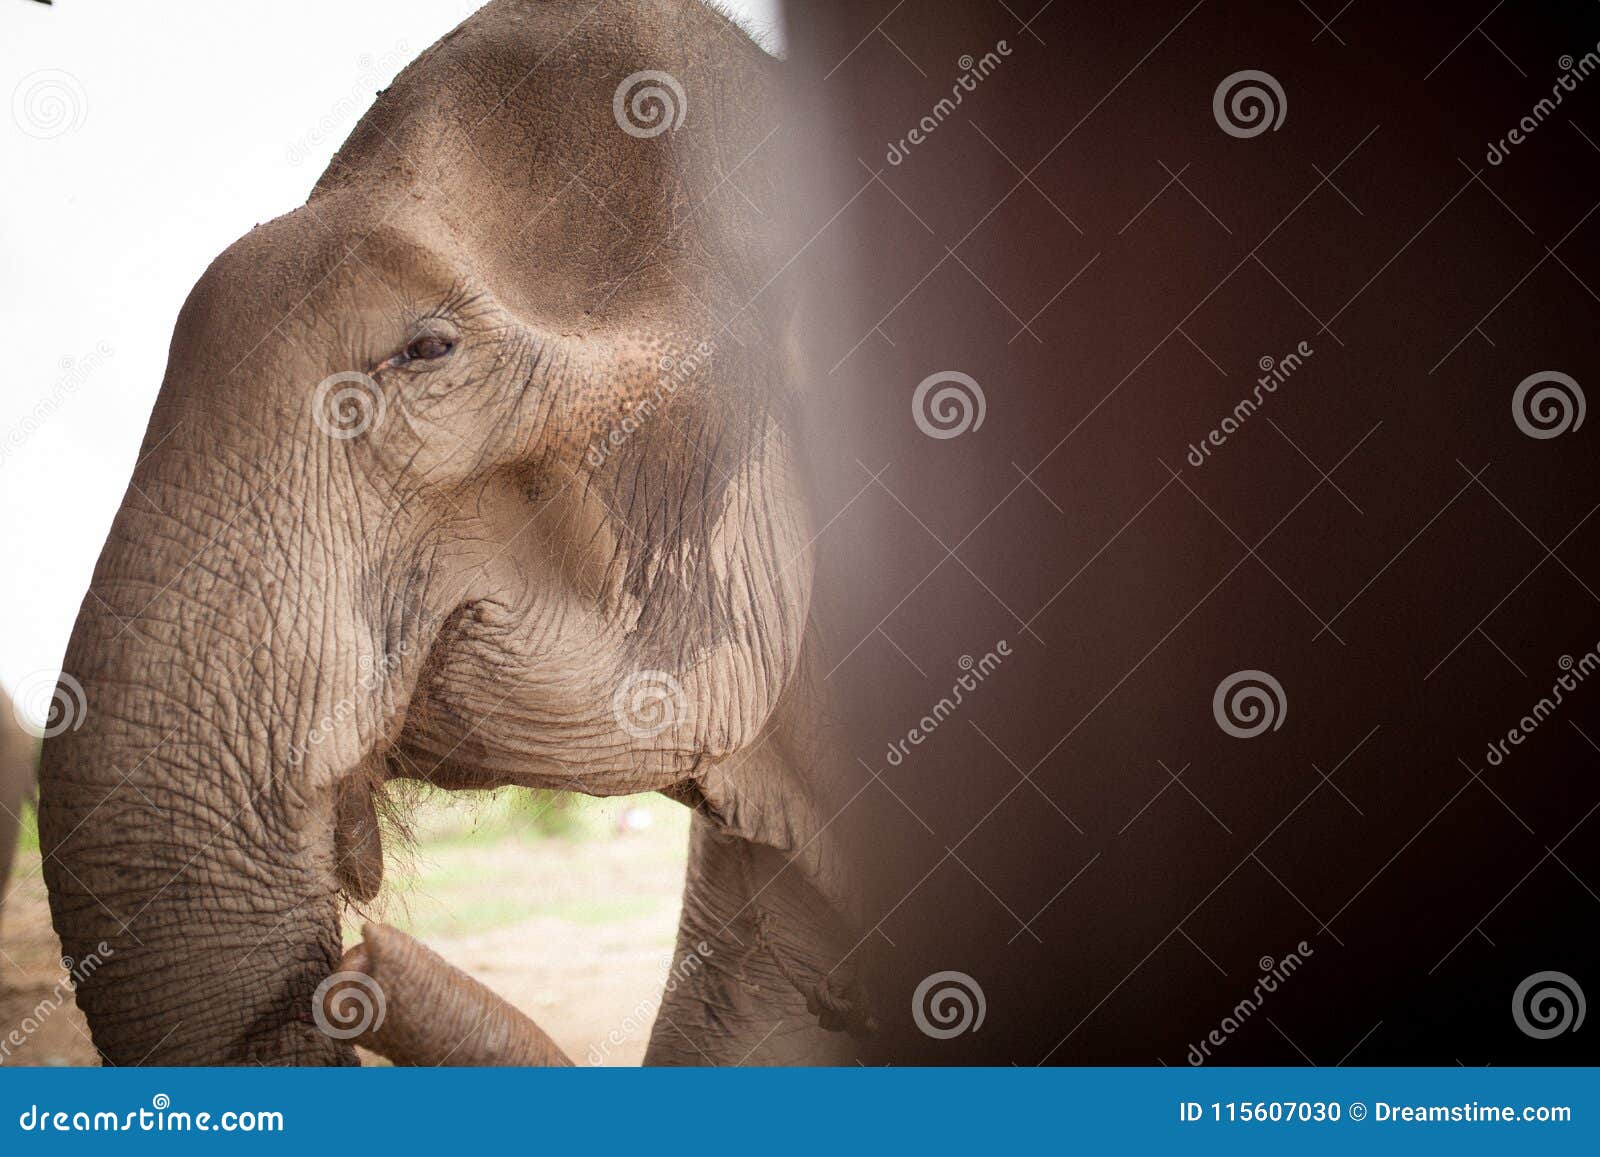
x: 508, y: 131
x: 551, y: 73
x: 282, y: 291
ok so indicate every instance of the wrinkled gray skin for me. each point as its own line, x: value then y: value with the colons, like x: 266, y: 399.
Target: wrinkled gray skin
x: 16, y: 786
x: 283, y: 621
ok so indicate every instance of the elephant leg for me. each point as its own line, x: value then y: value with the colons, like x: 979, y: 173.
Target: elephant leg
x: 764, y: 972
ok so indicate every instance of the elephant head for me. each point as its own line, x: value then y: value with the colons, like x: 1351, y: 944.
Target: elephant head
x: 480, y: 468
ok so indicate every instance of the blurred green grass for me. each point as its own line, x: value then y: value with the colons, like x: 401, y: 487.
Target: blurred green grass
x: 477, y: 861
x: 442, y: 819
x: 28, y: 838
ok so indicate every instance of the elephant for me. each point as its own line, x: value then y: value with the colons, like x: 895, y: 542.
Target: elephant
x: 481, y: 468
x: 16, y: 788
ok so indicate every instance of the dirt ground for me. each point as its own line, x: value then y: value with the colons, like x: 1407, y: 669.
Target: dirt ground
x: 34, y: 1000
x: 575, y: 930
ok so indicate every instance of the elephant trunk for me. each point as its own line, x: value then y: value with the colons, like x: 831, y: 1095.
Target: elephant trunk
x: 398, y: 998
x: 202, y: 814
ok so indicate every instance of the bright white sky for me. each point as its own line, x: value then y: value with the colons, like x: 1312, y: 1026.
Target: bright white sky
x: 181, y: 124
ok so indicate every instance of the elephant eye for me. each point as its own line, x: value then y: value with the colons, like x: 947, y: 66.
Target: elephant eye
x: 428, y: 347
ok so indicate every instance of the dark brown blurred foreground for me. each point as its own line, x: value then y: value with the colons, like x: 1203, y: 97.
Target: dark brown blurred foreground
x: 1045, y: 200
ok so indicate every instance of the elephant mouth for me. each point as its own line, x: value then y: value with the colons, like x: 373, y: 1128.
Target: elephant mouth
x: 391, y: 994
x: 358, y: 838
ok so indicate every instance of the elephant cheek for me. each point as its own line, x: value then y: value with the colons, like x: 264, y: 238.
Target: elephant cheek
x: 358, y: 843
